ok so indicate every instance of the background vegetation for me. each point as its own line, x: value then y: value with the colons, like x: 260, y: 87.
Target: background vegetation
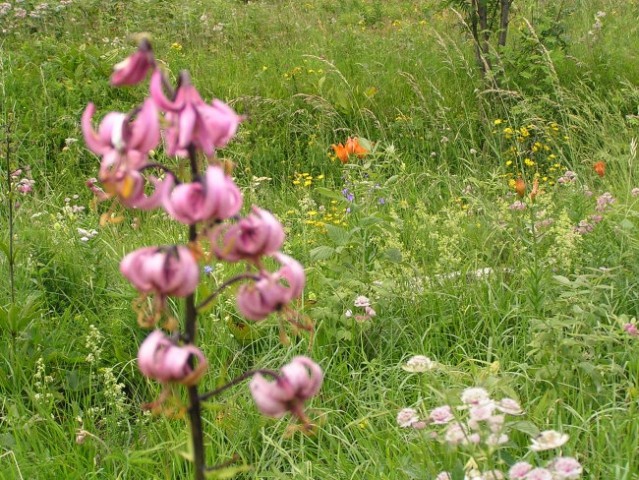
x: 526, y: 303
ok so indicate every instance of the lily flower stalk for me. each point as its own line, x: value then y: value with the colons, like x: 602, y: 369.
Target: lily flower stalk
x: 209, y: 203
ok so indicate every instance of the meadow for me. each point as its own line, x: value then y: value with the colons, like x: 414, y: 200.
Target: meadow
x: 483, y: 240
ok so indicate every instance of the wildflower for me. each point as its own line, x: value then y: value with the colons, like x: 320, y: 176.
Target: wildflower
x: 509, y: 406
x: 635, y: 192
x: 520, y: 187
x: 418, y: 364
x: 539, y: 474
x: 518, y: 206
x: 441, y: 415
x: 475, y: 396
x: 407, y: 417
x: 162, y: 270
x: 257, y: 235
x: 267, y: 295
x: 300, y: 380
x: 134, y: 68
x: 566, y: 468
x: 455, y: 434
x: 214, y: 197
x: 568, y: 177
x: 160, y: 359
x: 362, y: 301
x: 519, y: 470
x: 631, y: 329
x: 482, y: 411
x: 443, y: 476
x: 600, y: 168
x: 547, y: 440
x: 352, y: 147
x: 603, y: 201
x: 191, y: 120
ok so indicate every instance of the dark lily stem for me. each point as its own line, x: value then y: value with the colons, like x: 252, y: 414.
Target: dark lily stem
x: 227, y: 283
x: 7, y: 133
x: 235, y: 381
x: 159, y: 166
x: 195, y: 410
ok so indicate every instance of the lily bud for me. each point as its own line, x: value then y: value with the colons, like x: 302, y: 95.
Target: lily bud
x: 134, y: 68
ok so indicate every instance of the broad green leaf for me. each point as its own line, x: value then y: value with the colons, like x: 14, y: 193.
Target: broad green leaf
x: 321, y: 253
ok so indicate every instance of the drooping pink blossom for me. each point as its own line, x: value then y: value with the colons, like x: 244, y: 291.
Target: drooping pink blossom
x: 214, y: 197
x: 134, y: 68
x: 160, y: 359
x: 162, y: 270
x: 252, y: 237
x: 117, y: 132
x: 300, y: 380
x: 272, y: 291
x: 192, y: 121
x: 631, y: 329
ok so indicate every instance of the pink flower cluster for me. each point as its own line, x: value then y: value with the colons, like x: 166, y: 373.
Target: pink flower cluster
x: 209, y: 204
x: 21, y: 180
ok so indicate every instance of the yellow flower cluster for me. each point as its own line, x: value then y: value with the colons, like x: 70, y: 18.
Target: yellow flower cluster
x: 321, y: 217
x: 305, y: 180
x: 529, y: 153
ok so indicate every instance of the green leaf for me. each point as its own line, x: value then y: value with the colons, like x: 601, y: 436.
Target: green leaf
x: 327, y: 192
x: 322, y: 252
x: 393, y: 255
x: 338, y: 235
x: 526, y: 427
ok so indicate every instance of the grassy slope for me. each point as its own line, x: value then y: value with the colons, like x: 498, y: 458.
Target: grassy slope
x: 308, y: 75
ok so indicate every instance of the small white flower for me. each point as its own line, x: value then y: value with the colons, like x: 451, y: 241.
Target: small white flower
x: 418, y: 364
x: 566, y: 468
x: 547, y: 440
x: 348, y: 313
x: 441, y: 415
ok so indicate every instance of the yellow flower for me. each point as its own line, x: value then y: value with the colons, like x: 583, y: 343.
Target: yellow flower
x: 509, y: 163
x: 528, y: 162
x: 498, y: 122
x: 524, y: 132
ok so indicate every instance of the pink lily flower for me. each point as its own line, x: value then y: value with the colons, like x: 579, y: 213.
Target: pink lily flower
x: 301, y: 379
x: 117, y: 133
x: 134, y: 68
x: 255, y: 236
x: 192, y: 121
x: 160, y: 359
x: 162, y: 270
x: 215, y: 197
x: 268, y: 294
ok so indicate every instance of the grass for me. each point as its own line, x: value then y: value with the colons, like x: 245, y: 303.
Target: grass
x: 544, y: 325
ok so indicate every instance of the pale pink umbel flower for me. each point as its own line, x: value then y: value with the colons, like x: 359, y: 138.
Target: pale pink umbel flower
x: 566, y: 468
x: 547, y: 440
x: 407, y: 417
x: 519, y: 470
x: 539, y: 474
x: 441, y: 415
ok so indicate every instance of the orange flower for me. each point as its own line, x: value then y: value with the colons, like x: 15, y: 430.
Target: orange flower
x: 352, y: 148
x: 600, y: 168
x: 535, y: 189
x: 520, y: 187
x: 341, y: 152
